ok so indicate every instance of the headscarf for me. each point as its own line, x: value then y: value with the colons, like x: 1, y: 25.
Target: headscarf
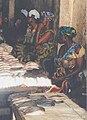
x: 48, y: 15
x: 25, y: 12
x: 68, y: 31
x: 35, y: 13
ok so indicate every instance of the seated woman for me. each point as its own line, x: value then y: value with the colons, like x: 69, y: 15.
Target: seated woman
x: 69, y: 62
x: 41, y: 34
x: 23, y: 51
x: 45, y: 42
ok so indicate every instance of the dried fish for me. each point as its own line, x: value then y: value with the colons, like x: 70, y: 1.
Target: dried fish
x: 35, y: 97
x: 20, y: 100
x: 31, y: 65
x: 45, y: 102
x: 18, y: 95
x: 34, y: 110
x: 29, y: 103
x: 6, y: 47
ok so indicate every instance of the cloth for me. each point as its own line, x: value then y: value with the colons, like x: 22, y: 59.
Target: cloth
x: 48, y: 49
x: 73, y: 80
x: 35, y: 13
x: 48, y: 15
x: 25, y: 12
x: 68, y: 31
x: 80, y: 54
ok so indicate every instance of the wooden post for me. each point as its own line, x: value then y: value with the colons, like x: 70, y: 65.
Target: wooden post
x: 56, y: 13
x: 11, y: 9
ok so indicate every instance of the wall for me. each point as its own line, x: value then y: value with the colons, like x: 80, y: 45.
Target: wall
x: 73, y: 13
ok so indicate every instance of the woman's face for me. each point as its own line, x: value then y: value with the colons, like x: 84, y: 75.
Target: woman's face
x: 31, y: 21
x: 45, y: 22
x: 63, y: 38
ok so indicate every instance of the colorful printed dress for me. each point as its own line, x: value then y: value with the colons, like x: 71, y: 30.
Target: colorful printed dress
x: 67, y: 66
x: 47, y: 49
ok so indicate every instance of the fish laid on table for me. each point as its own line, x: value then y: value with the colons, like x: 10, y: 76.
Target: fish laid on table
x: 45, y: 102
x: 18, y: 95
x: 16, y: 65
x: 20, y: 100
x: 2, y: 54
x: 34, y: 110
x: 27, y: 103
x: 19, y: 72
x: 9, y: 58
x: 5, y: 73
x: 31, y: 65
x: 35, y: 97
x: 6, y: 47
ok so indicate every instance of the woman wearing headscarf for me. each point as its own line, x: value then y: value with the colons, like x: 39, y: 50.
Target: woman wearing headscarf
x: 45, y: 42
x: 69, y: 62
x: 26, y: 51
x: 42, y: 34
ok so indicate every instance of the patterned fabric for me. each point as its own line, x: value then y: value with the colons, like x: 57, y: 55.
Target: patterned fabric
x: 80, y: 54
x: 69, y: 52
x: 65, y: 61
x: 69, y: 65
x: 25, y: 52
x: 48, y: 15
x: 68, y: 31
x: 47, y: 50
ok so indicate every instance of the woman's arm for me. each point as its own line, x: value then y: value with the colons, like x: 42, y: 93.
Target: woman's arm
x: 79, y: 62
x: 79, y: 66
x: 46, y: 37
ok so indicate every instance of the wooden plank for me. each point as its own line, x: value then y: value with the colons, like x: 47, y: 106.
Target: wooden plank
x: 67, y: 110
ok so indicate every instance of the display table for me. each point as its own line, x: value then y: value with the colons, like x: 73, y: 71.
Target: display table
x: 66, y: 110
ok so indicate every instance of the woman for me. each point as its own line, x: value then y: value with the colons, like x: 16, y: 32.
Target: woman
x: 69, y: 62
x: 25, y: 51
x: 46, y: 44
x: 41, y: 34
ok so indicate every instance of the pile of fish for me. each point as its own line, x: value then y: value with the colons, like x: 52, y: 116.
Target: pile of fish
x: 8, y: 63
x: 30, y: 104
x: 13, y: 73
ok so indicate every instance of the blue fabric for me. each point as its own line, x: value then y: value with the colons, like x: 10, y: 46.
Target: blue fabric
x: 68, y: 31
x: 71, y: 50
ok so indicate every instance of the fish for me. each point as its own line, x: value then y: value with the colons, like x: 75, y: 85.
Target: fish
x: 35, y: 97
x: 32, y: 65
x: 34, y: 110
x: 27, y: 103
x: 45, y: 102
x: 18, y: 95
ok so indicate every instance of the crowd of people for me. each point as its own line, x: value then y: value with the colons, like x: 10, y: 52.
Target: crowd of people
x: 35, y: 41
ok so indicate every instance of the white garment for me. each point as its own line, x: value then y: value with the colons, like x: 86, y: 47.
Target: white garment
x: 25, y: 12
x: 35, y: 13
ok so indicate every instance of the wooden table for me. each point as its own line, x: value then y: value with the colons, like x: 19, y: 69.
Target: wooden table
x: 67, y: 110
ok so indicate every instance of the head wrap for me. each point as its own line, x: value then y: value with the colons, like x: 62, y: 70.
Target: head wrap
x: 68, y: 31
x: 35, y: 13
x: 48, y: 15
x: 25, y: 12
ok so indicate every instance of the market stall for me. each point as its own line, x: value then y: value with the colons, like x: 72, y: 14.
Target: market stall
x: 13, y: 73
x: 47, y: 106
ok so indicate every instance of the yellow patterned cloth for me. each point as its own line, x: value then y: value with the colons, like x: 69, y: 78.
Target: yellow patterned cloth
x: 80, y: 54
